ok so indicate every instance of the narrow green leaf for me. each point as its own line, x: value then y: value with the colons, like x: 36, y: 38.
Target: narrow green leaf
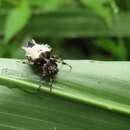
x: 117, y: 49
x: 102, y: 84
x: 46, y: 4
x: 16, y: 20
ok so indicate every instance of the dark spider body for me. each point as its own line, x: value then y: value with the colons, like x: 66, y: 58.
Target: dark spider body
x: 43, y: 57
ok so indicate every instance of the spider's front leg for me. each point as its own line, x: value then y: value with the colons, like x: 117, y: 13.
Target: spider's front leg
x: 64, y: 63
x: 60, y: 60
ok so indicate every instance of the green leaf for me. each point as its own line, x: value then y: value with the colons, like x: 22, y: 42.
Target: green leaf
x: 100, y: 9
x: 46, y: 4
x: 117, y: 49
x: 102, y: 84
x: 80, y: 84
x: 51, y: 5
x: 76, y: 23
x: 72, y: 23
x: 16, y: 20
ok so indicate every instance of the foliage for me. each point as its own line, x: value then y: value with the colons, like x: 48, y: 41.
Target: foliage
x: 61, y: 21
x: 94, y: 95
x: 16, y: 20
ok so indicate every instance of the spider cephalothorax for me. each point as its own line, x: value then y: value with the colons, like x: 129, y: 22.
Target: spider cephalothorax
x: 43, y: 57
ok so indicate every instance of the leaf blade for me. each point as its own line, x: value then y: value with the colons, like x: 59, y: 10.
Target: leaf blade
x: 20, y: 110
x: 90, y: 86
x: 16, y: 20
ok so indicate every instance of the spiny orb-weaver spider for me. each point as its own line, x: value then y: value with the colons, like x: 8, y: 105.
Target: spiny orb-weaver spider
x: 44, y: 58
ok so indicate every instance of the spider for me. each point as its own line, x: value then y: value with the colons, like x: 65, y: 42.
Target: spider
x: 43, y: 57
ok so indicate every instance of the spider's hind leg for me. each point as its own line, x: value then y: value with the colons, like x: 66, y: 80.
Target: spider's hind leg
x: 51, y: 80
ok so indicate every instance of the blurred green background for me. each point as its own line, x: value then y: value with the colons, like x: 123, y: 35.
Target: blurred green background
x: 76, y: 29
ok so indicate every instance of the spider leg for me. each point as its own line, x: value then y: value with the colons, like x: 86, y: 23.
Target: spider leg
x: 51, y: 88
x: 60, y: 60
x: 64, y: 63
x: 51, y: 83
x: 40, y: 85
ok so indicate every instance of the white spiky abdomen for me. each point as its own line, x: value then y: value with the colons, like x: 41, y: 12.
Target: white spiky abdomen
x: 35, y: 51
